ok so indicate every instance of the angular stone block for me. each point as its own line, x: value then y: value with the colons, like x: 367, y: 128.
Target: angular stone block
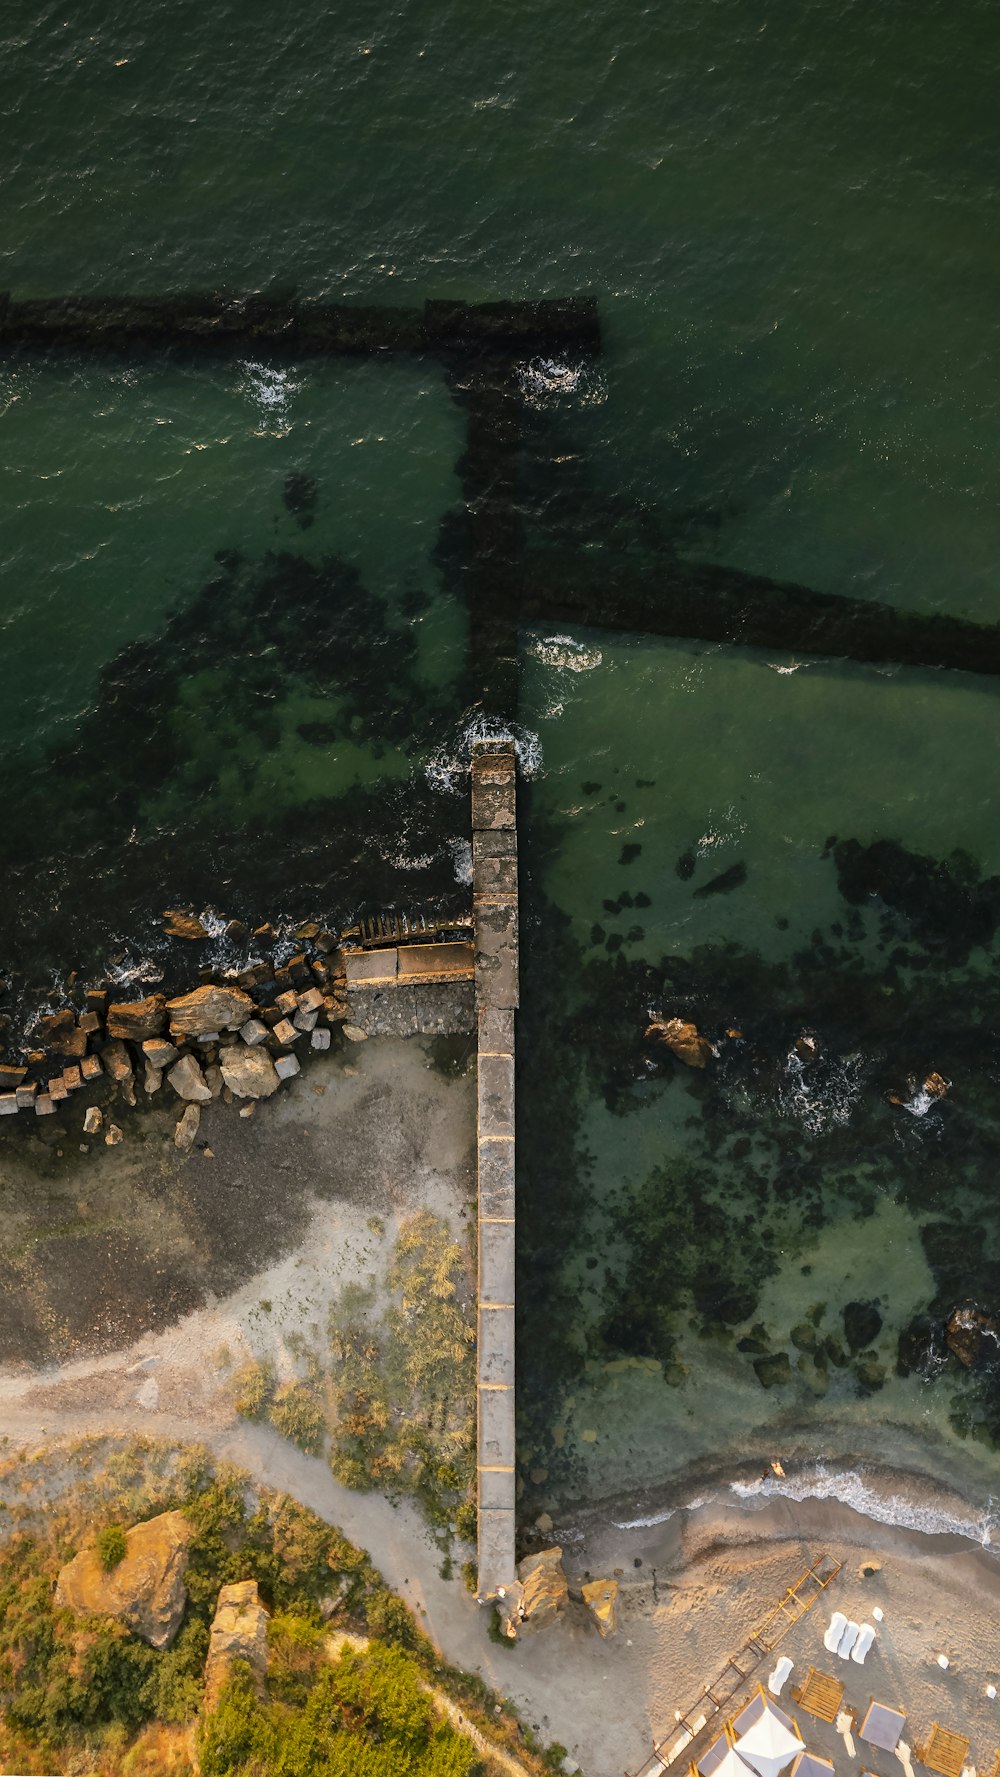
x: 496, y: 1096
x: 496, y: 1427
x: 496, y: 956
x: 495, y: 1345
x: 496, y: 1261
x: 496, y: 1180
x: 496, y: 1490
x: 496, y: 1030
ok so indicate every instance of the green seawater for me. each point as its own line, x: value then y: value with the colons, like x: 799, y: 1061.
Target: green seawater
x: 236, y: 650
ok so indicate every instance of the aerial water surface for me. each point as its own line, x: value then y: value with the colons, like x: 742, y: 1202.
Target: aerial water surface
x: 236, y: 642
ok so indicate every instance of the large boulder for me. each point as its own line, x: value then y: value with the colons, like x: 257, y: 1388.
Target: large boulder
x: 239, y: 1632
x: 250, y: 1073
x: 544, y: 1591
x: 862, y: 1325
x: 973, y: 1336
x: 683, y: 1040
x: 601, y: 1600
x: 188, y: 1081
x: 137, y: 1019
x: 145, y: 1590
x: 209, y: 1008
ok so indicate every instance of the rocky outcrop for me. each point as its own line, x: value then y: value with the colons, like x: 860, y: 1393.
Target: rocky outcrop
x: 239, y: 1632
x: 249, y: 1072
x: 973, y: 1337
x: 188, y: 1081
x: 544, y: 1591
x: 137, y: 1019
x: 183, y: 925
x: 145, y: 1590
x: 209, y: 1008
x: 683, y: 1040
x: 601, y: 1600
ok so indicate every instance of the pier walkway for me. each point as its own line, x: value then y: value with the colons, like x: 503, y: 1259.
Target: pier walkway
x: 428, y: 987
x: 495, y: 909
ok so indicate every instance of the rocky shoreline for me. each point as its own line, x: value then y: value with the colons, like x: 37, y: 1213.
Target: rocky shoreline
x: 237, y: 1036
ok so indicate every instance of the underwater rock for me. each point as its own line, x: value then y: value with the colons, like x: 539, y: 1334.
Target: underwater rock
x: 188, y: 1081
x: 249, y: 1072
x: 921, y: 1348
x: 773, y: 1371
x: 804, y: 1337
x: 973, y: 1337
x: 869, y: 1371
x: 682, y: 1039
x: 722, y: 884
x: 210, y: 1008
x: 946, y: 905
x: 862, y: 1325
x: 137, y: 1019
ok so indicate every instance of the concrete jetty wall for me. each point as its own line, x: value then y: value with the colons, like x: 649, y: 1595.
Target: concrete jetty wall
x: 495, y: 907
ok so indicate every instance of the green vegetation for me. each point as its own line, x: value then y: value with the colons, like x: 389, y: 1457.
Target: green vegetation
x: 404, y: 1381
x: 367, y: 1714
x: 252, y: 1388
x: 111, y: 1546
x: 85, y: 1691
x: 297, y: 1415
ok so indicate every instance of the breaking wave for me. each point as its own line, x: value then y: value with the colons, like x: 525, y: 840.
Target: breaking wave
x: 447, y: 770
x: 850, y: 1488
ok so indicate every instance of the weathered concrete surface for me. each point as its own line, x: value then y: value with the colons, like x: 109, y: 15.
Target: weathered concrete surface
x: 494, y: 893
x: 403, y: 1009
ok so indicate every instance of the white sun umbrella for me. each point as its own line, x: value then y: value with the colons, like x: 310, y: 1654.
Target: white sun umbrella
x: 769, y: 1745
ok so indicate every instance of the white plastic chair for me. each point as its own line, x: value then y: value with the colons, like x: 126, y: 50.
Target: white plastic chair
x: 866, y: 1635
x: 779, y: 1676
x: 848, y: 1639
x: 838, y: 1623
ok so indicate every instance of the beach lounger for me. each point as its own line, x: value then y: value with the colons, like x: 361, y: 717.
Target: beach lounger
x: 859, y: 1652
x: 776, y: 1681
x: 837, y: 1625
x: 848, y: 1639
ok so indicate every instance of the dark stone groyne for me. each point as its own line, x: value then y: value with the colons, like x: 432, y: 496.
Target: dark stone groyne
x: 702, y: 602
x: 230, y: 322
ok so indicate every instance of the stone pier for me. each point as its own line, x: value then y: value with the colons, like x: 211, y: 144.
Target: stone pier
x: 494, y: 889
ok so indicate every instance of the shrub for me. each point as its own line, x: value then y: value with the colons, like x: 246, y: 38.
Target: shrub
x: 297, y: 1415
x: 111, y: 1546
x: 252, y: 1388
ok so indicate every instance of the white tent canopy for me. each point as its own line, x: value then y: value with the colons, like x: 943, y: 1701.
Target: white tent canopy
x: 769, y: 1745
x: 732, y: 1766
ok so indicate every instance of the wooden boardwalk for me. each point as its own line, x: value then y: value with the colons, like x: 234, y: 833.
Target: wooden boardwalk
x: 495, y: 910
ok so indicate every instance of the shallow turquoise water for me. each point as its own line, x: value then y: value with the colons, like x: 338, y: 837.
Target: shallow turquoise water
x: 787, y: 220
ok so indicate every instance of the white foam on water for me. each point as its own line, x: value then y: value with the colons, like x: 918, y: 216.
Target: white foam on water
x: 850, y: 1488
x: 123, y: 970
x: 270, y: 389
x: 827, y: 1099
x: 545, y: 381
x: 447, y: 770
x: 690, y: 1505
x: 565, y: 654
x: 461, y: 858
